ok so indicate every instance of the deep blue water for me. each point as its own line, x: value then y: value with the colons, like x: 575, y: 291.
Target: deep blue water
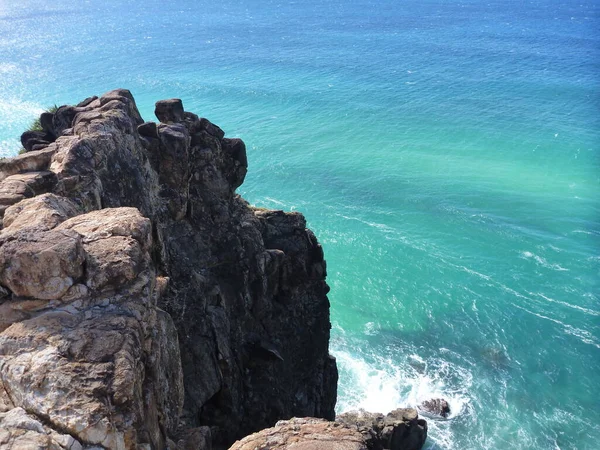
x: 445, y: 153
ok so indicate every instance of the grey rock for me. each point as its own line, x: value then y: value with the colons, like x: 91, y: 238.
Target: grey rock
x: 106, y: 366
x: 211, y: 128
x: 27, y: 162
x: 20, y: 430
x: 42, y: 265
x: 199, y: 438
x: 401, y: 429
x: 237, y: 149
x: 148, y: 129
x: 42, y: 212
x: 169, y: 111
x: 87, y: 101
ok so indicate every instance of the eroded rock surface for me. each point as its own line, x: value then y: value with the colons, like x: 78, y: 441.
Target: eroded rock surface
x: 143, y: 303
x: 401, y: 429
x: 95, y: 360
x: 304, y: 434
x: 356, y: 430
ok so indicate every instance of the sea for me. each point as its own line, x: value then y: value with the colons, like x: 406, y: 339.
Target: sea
x: 445, y: 152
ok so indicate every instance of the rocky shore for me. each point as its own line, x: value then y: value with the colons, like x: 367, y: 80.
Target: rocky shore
x: 145, y: 305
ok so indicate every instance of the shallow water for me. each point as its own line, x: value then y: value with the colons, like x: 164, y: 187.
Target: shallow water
x: 445, y: 153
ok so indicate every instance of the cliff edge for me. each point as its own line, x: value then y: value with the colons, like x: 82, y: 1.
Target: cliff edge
x: 143, y: 303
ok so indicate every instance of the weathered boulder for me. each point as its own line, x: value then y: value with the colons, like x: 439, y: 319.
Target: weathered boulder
x: 148, y: 129
x: 401, y: 429
x: 42, y: 265
x: 43, y: 212
x: 303, y: 434
x: 169, y: 111
x: 20, y: 186
x: 63, y: 119
x: 87, y: 101
x: 46, y: 122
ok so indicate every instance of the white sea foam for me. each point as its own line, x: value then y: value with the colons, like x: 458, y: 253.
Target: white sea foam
x: 15, y: 107
x: 15, y: 115
x: 385, y: 385
x: 590, y: 232
x: 542, y: 261
x: 373, y: 389
x: 273, y: 201
x: 559, y: 302
x: 7, y: 68
x: 584, y: 336
x: 380, y: 226
x: 474, y: 272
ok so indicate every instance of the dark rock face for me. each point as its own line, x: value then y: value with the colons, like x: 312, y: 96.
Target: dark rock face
x: 46, y: 122
x: 169, y: 111
x: 400, y: 429
x: 245, y: 287
x: 148, y: 129
x: 435, y: 407
x: 31, y: 138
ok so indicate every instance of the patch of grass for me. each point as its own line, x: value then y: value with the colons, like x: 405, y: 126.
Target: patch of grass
x: 36, y: 125
x: 22, y: 150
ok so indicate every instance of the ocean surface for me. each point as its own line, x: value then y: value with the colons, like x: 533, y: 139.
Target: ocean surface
x: 446, y: 153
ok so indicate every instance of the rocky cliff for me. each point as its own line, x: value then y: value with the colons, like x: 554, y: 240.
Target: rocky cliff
x: 143, y: 303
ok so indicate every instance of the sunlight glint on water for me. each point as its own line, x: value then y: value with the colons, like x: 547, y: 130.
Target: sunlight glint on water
x: 445, y: 153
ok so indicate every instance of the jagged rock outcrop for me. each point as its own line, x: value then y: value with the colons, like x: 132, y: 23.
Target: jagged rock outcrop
x: 143, y: 303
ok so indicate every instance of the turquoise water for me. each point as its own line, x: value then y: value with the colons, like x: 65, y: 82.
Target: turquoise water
x: 445, y: 153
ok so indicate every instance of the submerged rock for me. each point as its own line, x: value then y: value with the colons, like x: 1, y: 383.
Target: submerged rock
x: 435, y: 407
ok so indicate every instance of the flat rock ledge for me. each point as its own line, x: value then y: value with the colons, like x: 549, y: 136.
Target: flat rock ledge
x: 303, y: 434
x: 357, y: 430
